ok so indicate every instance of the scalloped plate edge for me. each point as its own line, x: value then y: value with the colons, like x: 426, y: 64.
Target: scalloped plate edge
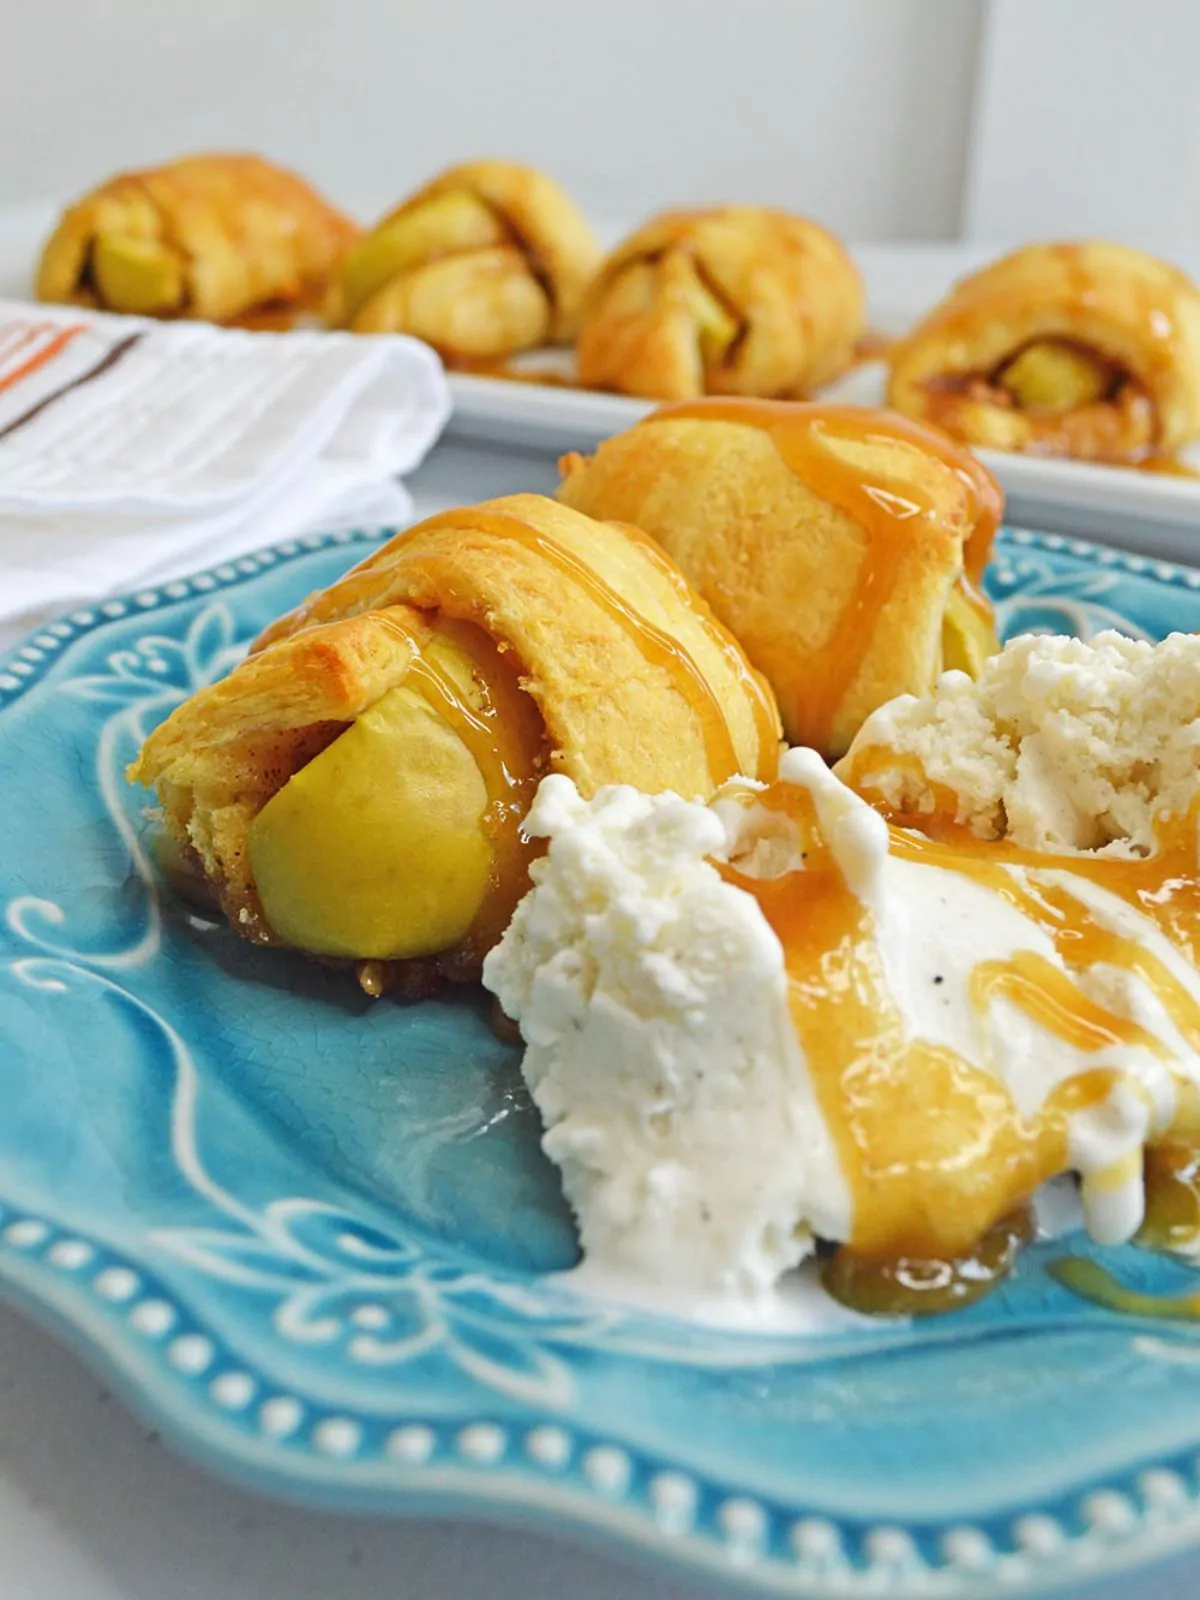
x: 517, y: 1472
x: 389, y: 1485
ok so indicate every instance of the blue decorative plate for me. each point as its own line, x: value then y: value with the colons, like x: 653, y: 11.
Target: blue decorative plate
x: 310, y: 1232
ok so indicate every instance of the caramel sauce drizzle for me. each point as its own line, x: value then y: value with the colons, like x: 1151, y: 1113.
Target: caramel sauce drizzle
x: 755, y: 687
x: 891, y: 516
x: 361, y: 590
x: 1121, y: 429
x: 1047, y: 995
x: 934, y: 1149
x: 657, y: 646
x: 1167, y: 467
x: 1163, y: 887
x: 908, y: 1285
x: 504, y: 741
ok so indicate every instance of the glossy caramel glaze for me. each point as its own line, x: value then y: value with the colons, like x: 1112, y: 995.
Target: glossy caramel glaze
x: 1136, y: 317
x: 252, y: 244
x: 721, y: 300
x: 594, y: 659
x: 916, y: 1286
x: 656, y: 645
x: 933, y: 1147
x: 1167, y: 467
x: 357, y: 589
x: 506, y: 740
x: 757, y: 690
x: 1172, y: 1200
x: 806, y: 437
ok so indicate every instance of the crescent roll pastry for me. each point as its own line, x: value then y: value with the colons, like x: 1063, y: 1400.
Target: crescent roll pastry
x: 355, y: 787
x: 734, y: 300
x: 488, y: 259
x: 842, y: 546
x: 219, y: 238
x: 1086, y: 350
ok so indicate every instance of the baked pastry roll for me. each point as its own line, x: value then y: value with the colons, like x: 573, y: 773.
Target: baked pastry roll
x: 355, y: 788
x: 842, y: 546
x: 1086, y: 350
x: 488, y: 259
x: 734, y: 300
x: 217, y: 238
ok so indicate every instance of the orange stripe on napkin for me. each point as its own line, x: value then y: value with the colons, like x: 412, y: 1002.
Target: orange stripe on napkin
x: 17, y: 335
x: 47, y: 353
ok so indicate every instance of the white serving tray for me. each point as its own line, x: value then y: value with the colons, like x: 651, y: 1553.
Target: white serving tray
x: 1152, y: 514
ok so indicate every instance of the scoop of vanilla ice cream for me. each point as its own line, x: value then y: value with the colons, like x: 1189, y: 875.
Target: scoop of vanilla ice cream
x: 1060, y: 744
x: 653, y: 1000
x: 652, y: 994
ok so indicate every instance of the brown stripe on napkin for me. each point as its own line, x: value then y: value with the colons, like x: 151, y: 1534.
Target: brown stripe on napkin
x: 47, y: 353
x: 105, y: 364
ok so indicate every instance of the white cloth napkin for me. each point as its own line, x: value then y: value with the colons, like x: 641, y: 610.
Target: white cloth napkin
x: 134, y: 451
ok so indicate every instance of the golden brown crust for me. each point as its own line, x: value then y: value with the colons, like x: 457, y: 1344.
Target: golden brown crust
x: 768, y: 544
x: 1133, y: 311
x: 249, y: 235
x: 635, y: 681
x: 220, y: 757
x: 785, y: 307
x: 517, y: 284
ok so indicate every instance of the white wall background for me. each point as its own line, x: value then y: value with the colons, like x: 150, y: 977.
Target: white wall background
x: 854, y: 110
x: 900, y: 120
x: 1088, y: 123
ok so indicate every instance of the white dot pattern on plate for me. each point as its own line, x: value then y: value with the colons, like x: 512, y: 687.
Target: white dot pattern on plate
x: 27, y: 1233
x: 233, y: 1390
x: 743, y: 1522
x: 1038, y: 1535
x: 1108, y: 1511
x: 70, y: 1254
x: 117, y: 1284
x: 280, y: 1416
x: 337, y: 1436
x: 816, y: 1540
x: 673, y: 1496
x: 482, y: 1442
x: 969, y: 1548
x: 412, y: 1444
x: 153, y: 1317
x: 1163, y: 1490
x: 192, y: 1353
x: 607, y: 1469
x: 549, y: 1447
x: 891, y: 1547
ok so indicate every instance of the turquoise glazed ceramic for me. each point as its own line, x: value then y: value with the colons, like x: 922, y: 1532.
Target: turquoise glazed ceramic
x: 310, y: 1233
